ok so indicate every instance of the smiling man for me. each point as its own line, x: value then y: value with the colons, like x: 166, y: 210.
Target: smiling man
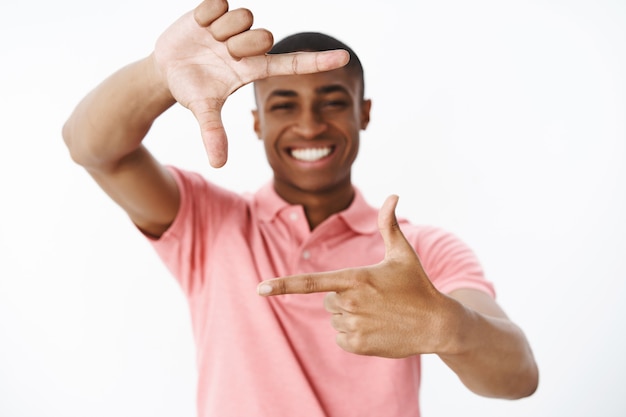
x: 310, y: 126
x: 304, y: 299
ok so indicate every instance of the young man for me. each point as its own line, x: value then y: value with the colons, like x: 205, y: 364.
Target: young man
x: 352, y: 345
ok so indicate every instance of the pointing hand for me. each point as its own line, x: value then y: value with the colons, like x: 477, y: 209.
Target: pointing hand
x: 390, y: 309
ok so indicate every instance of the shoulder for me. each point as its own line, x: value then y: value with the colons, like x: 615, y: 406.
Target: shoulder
x: 434, y: 241
x: 194, y: 186
x: 206, y: 206
x: 450, y: 263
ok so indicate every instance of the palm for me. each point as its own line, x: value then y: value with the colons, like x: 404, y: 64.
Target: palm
x: 200, y: 74
x: 196, y: 66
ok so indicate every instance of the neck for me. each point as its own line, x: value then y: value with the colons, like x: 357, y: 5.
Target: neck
x: 319, y: 205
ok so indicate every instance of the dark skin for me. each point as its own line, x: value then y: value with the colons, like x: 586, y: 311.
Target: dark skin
x: 322, y: 113
x: 310, y: 126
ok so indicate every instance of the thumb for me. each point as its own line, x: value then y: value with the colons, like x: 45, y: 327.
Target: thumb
x: 394, y: 239
x: 209, y: 117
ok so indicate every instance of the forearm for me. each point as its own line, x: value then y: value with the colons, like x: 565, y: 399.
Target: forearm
x: 491, y: 355
x: 112, y: 120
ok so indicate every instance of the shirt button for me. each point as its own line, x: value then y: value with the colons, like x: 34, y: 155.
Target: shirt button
x: 293, y: 217
x: 306, y: 255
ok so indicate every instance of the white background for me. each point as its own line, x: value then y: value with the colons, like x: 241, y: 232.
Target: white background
x: 502, y: 121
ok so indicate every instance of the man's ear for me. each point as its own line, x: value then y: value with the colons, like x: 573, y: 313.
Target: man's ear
x: 257, y: 123
x: 366, y: 107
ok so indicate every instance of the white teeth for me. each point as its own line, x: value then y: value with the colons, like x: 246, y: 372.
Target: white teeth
x: 310, y: 154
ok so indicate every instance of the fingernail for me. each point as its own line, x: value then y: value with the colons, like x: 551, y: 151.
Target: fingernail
x: 264, y: 289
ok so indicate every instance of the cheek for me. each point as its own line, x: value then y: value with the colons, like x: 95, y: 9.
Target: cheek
x: 269, y: 137
x: 270, y: 145
x: 350, y: 128
x: 270, y: 128
x: 267, y: 146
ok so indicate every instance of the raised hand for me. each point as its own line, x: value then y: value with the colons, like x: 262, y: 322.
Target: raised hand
x: 211, y: 52
x: 390, y: 309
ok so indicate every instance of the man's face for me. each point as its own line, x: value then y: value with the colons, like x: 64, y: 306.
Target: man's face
x: 310, y: 126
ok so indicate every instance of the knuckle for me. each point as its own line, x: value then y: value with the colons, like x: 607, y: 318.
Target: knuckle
x: 282, y: 287
x: 350, y: 304
x: 294, y: 64
x: 356, y: 342
x: 352, y: 323
x: 350, y: 337
x: 330, y: 302
x: 310, y: 285
x: 359, y: 279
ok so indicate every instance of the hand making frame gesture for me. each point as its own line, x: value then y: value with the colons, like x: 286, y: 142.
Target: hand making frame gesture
x: 212, y: 51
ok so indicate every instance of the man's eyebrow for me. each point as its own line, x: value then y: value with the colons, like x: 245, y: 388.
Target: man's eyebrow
x: 283, y: 93
x: 333, y: 88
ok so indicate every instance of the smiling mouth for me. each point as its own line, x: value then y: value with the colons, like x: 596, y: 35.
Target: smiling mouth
x: 311, y: 154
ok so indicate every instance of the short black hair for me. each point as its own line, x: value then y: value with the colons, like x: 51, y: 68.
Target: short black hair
x: 317, y: 42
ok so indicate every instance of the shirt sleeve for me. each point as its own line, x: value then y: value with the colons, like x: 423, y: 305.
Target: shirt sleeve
x: 450, y: 263
x: 186, y: 246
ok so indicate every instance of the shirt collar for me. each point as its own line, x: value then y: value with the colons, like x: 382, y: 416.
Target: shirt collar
x: 359, y: 216
x: 268, y: 203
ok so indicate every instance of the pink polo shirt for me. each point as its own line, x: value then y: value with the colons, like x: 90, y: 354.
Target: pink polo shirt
x: 277, y: 356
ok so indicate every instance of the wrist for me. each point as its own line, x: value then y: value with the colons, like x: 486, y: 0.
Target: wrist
x: 157, y: 81
x: 456, y: 327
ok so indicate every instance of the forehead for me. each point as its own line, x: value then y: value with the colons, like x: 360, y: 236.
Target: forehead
x: 309, y: 84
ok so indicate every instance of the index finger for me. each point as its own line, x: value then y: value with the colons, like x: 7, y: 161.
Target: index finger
x: 259, y: 67
x: 306, y: 62
x: 336, y: 281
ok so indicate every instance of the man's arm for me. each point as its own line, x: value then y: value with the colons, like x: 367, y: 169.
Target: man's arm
x: 391, y: 309
x: 104, y: 135
x: 198, y: 62
x: 490, y: 353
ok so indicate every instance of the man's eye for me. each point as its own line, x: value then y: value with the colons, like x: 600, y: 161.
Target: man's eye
x: 281, y: 106
x: 335, y: 104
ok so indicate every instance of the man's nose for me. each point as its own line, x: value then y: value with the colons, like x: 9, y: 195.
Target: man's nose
x: 309, y: 125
